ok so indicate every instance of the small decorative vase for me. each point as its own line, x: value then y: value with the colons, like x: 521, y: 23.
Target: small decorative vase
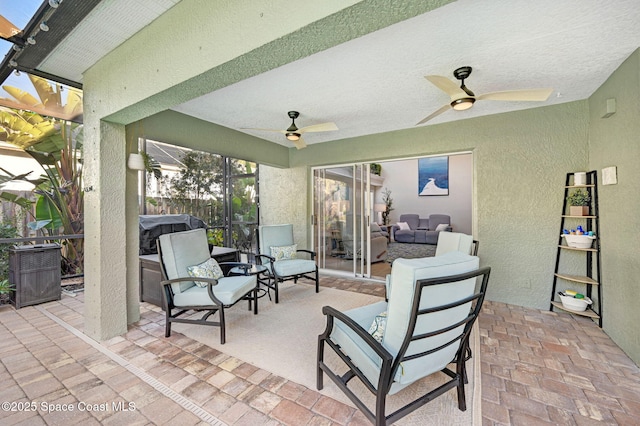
x: 579, y: 210
x: 580, y: 178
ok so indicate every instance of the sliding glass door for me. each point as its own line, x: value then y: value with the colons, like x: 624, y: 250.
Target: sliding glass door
x: 341, y: 218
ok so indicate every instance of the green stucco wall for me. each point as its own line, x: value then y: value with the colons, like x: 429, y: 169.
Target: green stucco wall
x: 614, y: 141
x: 520, y: 163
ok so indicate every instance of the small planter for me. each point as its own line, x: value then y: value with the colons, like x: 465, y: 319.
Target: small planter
x: 579, y: 241
x: 571, y: 303
x: 579, y: 210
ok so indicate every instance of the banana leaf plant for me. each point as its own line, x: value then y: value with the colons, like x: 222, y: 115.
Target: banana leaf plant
x: 56, y: 146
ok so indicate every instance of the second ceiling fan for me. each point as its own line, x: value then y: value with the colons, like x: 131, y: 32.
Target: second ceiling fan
x: 294, y: 134
x: 462, y: 98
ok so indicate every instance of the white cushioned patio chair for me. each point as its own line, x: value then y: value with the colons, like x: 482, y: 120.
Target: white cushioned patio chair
x: 448, y: 241
x: 432, y: 307
x: 190, y: 285
x: 284, y: 260
x: 456, y: 241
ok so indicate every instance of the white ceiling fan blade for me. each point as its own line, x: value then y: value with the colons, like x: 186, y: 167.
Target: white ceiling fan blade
x: 263, y: 130
x: 435, y: 114
x: 324, y: 127
x: 518, y: 95
x: 446, y: 85
x: 300, y: 143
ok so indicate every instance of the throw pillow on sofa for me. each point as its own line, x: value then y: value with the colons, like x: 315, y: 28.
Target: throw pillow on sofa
x: 404, y: 226
x: 442, y: 227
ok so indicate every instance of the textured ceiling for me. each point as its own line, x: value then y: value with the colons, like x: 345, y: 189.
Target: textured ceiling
x: 109, y: 24
x: 376, y: 83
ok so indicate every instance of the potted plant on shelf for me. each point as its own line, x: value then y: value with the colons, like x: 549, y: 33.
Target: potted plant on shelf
x: 579, y: 201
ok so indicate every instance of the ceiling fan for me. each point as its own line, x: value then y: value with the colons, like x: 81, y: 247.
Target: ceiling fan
x: 462, y: 98
x: 294, y: 134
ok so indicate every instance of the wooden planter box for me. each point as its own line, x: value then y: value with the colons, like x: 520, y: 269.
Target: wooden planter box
x: 579, y: 210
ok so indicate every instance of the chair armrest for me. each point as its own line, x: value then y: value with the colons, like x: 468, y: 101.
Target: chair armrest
x: 270, y: 259
x: 211, y: 281
x: 311, y: 252
x: 377, y: 347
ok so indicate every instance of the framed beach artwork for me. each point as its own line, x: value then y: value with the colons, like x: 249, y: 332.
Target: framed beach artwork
x: 433, y: 176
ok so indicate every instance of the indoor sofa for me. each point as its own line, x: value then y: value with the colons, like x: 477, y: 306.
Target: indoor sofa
x: 421, y: 231
x: 379, y: 239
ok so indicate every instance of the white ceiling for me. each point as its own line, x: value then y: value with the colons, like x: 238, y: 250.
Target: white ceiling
x: 376, y: 83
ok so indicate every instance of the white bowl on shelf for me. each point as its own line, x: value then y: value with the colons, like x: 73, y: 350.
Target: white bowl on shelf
x: 579, y: 241
x: 578, y: 305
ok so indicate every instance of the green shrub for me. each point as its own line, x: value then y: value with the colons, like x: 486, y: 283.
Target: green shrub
x: 5, y: 287
x: 7, y: 230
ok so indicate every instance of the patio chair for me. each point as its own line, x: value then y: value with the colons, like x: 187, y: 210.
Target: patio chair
x: 191, y: 283
x: 424, y: 327
x: 456, y: 241
x: 279, y: 253
x: 447, y: 241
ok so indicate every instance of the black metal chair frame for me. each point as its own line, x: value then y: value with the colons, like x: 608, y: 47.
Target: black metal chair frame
x: 390, y: 365
x: 274, y: 278
x: 474, y: 247
x: 169, y: 306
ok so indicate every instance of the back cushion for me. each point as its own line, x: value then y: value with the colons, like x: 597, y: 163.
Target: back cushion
x: 412, y: 220
x: 275, y: 236
x: 404, y: 274
x: 181, y: 250
x: 437, y: 219
x: 453, y: 241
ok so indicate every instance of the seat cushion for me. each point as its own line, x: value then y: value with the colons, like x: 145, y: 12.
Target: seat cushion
x: 285, y: 268
x: 229, y: 290
x: 404, y: 236
x: 360, y: 353
x: 420, y: 236
x: 431, y: 237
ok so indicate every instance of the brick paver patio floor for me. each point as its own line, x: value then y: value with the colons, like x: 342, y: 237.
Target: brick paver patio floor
x: 538, y: 367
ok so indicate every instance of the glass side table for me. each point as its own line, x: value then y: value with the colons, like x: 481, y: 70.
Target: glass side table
x: 259, y: 271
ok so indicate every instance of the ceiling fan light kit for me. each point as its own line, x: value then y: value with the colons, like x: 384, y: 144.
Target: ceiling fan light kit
x: 462, y: 104
x: 294, y: 134
x: 461, y: 98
